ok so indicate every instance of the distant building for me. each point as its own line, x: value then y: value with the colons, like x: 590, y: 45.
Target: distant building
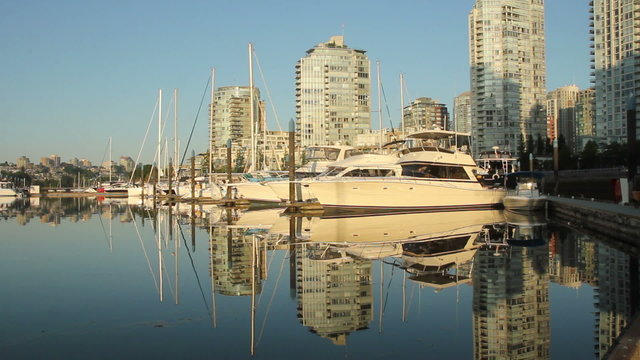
x: 231, y: 111
x: 585, y: 118
x: 425, y: 114
x: 615, y: 48
x: 462, y: 112
x: 85, y: 163
x: 23, y: 162
x: 561, y: 111
x: 508, y: 73
x: 45, y: 161
x: 74, y: 161
x: 55, y: 160
x: 127, y: 162
x: 333, y: 89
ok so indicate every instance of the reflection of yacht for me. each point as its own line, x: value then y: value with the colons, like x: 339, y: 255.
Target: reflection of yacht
x: 523, y: 192
x: 525, y: 229
x: 436, y: 175
x: 410, y: 227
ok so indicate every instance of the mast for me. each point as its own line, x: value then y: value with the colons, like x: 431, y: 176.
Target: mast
x: 110, y: 163
x: 159, y: 133
x: 175, y: 133
x: 251, y: 111
x: 379, y: 102
x: 402, y: 103
x: 213, y: 79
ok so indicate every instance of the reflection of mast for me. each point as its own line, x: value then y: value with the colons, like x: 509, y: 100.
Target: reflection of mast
x: 253, y: 292
x: 213, y: 286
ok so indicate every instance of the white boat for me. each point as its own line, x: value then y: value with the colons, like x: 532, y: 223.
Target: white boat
x: 436, y: 175
x: 8, y: 189
x: 525, y: 195
x: 319, y: 158
x: 358, y: 166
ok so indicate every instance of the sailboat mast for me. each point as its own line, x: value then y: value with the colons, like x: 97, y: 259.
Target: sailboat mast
x: 175, y: 132
x: 402, y: 103
x: 251, y: 110
x: 379, y: 102
x: 159, y: 133
x: 110, y: 163
x: 213, y: 80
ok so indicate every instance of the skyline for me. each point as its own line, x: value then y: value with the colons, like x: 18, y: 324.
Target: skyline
x: 79, y: 72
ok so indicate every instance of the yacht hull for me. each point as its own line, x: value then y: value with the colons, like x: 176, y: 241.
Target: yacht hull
x: 405, y: 195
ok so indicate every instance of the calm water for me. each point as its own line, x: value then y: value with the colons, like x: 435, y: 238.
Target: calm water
x: 103, y: 279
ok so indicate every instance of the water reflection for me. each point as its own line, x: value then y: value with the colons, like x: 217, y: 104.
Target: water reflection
x: 343, y: 273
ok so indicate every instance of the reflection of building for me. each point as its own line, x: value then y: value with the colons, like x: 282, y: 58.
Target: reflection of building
x: 232, y: 262
x: 615, y: 47
x: 563, y: 260
x: 425, y: 113
x: 511, y: 304
x: 508, y: 73
x: 332, y: 94
x: 614, y: 296
x: 334, y: 292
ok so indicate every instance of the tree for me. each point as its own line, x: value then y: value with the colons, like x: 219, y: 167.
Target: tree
x: 589, y: 158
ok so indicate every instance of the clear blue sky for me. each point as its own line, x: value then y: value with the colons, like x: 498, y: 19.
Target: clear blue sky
x: 73, y: 73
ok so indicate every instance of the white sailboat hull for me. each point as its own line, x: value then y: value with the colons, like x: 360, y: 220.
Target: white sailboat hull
x: 255, y: 191
x: 405, y: 194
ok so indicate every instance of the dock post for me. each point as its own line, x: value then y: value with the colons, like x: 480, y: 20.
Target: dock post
x: 193, y: 176
x: 631, y: 143
x: 228, y: 170
x: 292, y: 162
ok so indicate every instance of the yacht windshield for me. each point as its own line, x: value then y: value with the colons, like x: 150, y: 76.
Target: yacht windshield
x: 320, y: 153
x: 333, y: 171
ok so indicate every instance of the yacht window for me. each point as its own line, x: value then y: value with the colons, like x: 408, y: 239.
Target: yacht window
x: 315, y: 153
x: 434, y: 171
x: 333, y: 171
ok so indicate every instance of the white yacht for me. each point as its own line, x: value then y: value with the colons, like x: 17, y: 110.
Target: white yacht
x: 8, y: 189
x: 357, y: 166
x: 437, y: 174
x: 318, y: 157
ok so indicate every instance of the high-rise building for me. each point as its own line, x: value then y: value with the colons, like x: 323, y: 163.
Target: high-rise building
x: 332, y: 94
x: 615, y: 45
x: 45, y: 161
x: 425, y: 114
x: 232, y: 114
x: 508, y: 73
x: 23, y: 162
x: 127, y: 162
x: 55, y: 160
x: 585, y: 118
x: 462, y: 112
x: 561, y: 112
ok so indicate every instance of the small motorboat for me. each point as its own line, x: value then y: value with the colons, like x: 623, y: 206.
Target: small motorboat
x: 523, y: 192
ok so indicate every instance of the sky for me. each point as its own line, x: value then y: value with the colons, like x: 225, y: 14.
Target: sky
x: 75, y: 72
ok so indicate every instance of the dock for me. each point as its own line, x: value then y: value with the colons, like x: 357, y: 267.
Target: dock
x: 619, y: 227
